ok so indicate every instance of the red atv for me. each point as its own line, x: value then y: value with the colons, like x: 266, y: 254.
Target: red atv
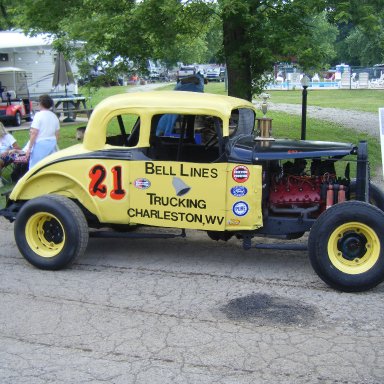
x: 15, y: 103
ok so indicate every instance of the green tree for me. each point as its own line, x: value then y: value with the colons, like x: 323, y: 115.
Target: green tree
x: 250, y: 34
x: 363, y: 50
x: 133, y: 32
x: 254, y: 32
x: 258, y: 33
x: 6, y: 19
x: 361, y: 27
x: 316, y: 49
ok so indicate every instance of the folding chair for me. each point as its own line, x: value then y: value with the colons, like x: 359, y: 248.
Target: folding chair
x: 5, y: 174
x: 14, y: 170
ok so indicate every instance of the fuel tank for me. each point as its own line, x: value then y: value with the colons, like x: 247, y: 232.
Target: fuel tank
x: 247, y: 149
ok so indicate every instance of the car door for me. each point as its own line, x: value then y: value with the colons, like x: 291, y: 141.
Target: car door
x: 206, y: 196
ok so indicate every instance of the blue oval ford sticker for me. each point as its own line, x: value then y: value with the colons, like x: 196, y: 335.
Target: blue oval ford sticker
x: 142, y: 183
x: 239, y: 191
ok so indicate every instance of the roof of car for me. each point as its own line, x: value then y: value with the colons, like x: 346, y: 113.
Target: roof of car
x: 148, y: 104
x: 176, y: 101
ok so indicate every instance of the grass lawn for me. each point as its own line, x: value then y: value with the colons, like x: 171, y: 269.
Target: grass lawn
x: 289, y: 126
x: 356, y: 99
x: 368, y: 100
x: 95, y: 95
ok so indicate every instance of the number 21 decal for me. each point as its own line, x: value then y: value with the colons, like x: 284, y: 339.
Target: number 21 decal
x: 98, y: 188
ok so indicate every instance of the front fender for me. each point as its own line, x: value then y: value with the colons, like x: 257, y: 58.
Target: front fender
x: 32, y: 185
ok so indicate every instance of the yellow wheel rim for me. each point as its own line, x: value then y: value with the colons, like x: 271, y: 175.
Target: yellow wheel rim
x: 353, y: 248
x: 45, y: 234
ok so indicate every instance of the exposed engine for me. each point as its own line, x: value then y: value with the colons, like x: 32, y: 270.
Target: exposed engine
x: 298, y: 190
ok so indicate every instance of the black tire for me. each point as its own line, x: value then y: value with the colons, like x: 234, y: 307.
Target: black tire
x: 17, y: 119
x: 346, y: 246
x: 51, y: 231
x: 376, y: 195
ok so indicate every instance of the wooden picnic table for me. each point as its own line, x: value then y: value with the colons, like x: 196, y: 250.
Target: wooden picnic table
x: 71, y: 106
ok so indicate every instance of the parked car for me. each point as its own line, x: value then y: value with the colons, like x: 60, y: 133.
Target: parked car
x: 215, y: 74
x: 15, y: 103
x: 186, y: 71
x: 192, y: 160
x: 100, y: 78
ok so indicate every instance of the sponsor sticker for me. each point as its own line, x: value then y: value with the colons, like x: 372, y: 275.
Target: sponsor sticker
x: 142, y: 183
x: 240, y: 208
x: 240, y: 174
x: 233, y: 222
x: 239, y: 191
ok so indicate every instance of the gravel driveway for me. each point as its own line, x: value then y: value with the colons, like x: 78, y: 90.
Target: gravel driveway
x: 366, y: 122
x: 183, y: 311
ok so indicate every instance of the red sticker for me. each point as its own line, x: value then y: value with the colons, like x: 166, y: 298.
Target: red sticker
x: 240, y: 174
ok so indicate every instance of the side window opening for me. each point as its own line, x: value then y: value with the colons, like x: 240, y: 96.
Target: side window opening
x: 191, y: 138
x: 123, y: 130
x: 242, y: 122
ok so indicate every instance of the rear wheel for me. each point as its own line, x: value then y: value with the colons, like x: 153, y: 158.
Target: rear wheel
x: 346, y: 246
x: 51, y: 231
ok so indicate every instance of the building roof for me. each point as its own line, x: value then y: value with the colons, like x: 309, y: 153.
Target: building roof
x: 17, y: 39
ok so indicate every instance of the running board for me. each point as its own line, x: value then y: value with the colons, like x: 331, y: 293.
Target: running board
x: 135, y: 235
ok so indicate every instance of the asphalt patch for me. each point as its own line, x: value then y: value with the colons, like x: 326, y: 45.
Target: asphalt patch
x: 264, y: 309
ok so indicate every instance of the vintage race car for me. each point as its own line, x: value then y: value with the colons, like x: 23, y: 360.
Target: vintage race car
x: 196, y: 161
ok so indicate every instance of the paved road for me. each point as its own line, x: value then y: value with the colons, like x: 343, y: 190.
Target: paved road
x: 183, y: 311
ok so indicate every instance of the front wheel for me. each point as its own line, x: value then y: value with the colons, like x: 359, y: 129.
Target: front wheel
x: 51, y: 231
x: 346, y: 246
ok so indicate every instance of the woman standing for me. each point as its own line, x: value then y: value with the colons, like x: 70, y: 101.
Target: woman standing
x: 44, y: 133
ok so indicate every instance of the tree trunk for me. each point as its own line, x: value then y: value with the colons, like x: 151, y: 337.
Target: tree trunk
x: 237, y: 56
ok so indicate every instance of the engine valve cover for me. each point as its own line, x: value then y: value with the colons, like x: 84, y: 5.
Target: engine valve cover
x: 295, y: 190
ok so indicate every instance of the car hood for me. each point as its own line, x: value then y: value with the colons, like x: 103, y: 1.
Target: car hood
x: 248, y: 149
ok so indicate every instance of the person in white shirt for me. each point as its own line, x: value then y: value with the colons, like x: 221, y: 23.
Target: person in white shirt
x: 44, y: 133
x: 8, y: 147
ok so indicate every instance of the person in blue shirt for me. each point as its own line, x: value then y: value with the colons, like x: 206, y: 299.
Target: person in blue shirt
x: 193, y: 83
